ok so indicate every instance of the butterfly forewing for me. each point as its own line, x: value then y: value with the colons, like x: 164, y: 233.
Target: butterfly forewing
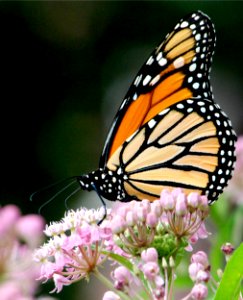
x: 178, y: 69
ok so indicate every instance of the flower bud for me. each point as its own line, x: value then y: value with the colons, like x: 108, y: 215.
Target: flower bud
x: 193, y: 269
x: 199, y: 292
x: 168, y: 202
x: 203, y: 203
x: 193, y: 200
x: 164, y: 263
x: 227, y: 249
x: 150, y: 270
x: 156, y: 208
x: 201, y: 258
x: 151, y: 220
x: 122, y: 277
x: 203, y: 276
x: 149, y: 255
x: 118, y: 224
x: 131, y: 218
x: 142, y: 214
x: 171, y: 262
x: 181, y: 207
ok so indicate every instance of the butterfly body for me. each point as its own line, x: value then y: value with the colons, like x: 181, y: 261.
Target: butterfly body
x: 168, y: 131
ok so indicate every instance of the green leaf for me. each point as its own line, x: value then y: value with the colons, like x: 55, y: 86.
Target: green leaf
x: 120, y: 259
x: 229, y: 287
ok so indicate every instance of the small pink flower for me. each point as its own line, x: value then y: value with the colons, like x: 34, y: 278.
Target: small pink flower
x: 201, y: 258
x: 122, y: 277
x: 193, y: 200
x: 181, y: 205
x: 118, y: 224
x: 151, y: 219
x: 60, y: 281
x: 149, y: 255
x: 167, y: 200
x: 150, y: 270
x: 199, y: 292
x: 199, y: 267
x: 203, y: 276
x: 193, y: 269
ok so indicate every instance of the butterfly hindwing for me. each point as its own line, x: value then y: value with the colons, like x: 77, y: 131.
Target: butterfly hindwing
x: 189, y: 145
x: 178, y: 69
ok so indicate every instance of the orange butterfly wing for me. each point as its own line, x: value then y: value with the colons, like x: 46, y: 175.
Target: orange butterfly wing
x: 176, y: 70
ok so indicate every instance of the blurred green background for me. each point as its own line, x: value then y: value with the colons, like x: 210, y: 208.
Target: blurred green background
x: 65, y: 68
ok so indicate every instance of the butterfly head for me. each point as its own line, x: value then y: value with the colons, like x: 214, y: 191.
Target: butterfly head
x: 106, y: 183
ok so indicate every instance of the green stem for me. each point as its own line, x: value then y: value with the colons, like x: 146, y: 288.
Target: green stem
x: 171, y: 284
x: 110, y: 286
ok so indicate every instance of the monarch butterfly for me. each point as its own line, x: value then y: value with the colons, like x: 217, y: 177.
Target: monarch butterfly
x: 168, y: 131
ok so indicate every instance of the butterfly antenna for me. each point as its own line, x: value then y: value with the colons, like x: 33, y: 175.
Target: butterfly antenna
x: 55, y: 195
x: 51, y: 185
x: 103, y: 203
x: 69, y: 196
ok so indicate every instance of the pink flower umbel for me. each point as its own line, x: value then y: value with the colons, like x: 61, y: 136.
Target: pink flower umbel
x: 143, y: 238
x: 74, y: 249
x: 160, y: 224
x: 184, y: 214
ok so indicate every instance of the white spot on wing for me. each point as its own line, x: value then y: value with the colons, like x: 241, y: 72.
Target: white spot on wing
x: 150, y: 61
x: 155, y: 80
x: 146, y: 80
x: 163, y: 112
x: 137, y: 80
x: 193, y: 67
x: 184, y: 24
x: 162, y: 61
x: 179, y: 62
x: 151, y: 123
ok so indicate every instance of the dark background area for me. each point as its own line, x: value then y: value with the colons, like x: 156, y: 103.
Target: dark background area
x: 65, y: 67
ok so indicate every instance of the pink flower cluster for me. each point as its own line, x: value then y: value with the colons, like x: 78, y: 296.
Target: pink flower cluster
x: 157, y: 286
x: 74, y: 249
x: 136, y: 223
x: 199, y: 272
x: 19, y: 236
x: 146, y: 234
x: 149, y: 269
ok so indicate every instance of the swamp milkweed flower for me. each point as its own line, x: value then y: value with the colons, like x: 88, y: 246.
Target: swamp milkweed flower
x: 74, y: 249
x: 141, y: 234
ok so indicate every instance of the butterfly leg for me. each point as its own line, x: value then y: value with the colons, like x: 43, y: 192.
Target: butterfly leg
x: 103, y: 203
